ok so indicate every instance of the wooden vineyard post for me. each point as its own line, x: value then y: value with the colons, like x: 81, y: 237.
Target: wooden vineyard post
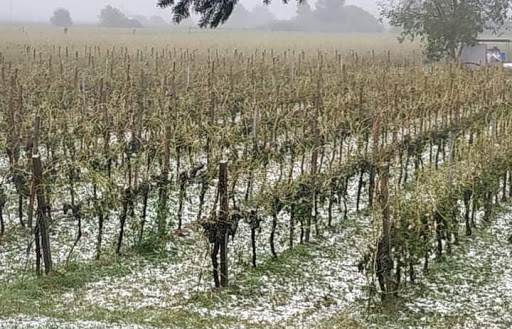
x: 223, y: 222
x: 384, y: 252
x: 219, y: 230
x: 451, y: 157
x: 489, y: 195
x: 384, y: 261
x: 314, y: 166
x: 31, y: 205
x: 374, y: 159
x: 255, y: 148
x: 41, y: 232
x: 314, y: 169
x: 255, y: 129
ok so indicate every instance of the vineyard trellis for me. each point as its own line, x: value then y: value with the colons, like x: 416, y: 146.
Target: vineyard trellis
x: 137, y: 136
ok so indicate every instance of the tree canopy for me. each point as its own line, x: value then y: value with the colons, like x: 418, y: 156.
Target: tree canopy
x: 157, y: 21
x: 330, y: 16
x: 113, y: 17
x: 241, y: 17
x: 61, y: 17
x: 212, y: 12
x: 445, y: 26
x: 154, y: 20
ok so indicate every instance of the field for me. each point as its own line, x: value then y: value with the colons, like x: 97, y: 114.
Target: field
x: 239, y: 179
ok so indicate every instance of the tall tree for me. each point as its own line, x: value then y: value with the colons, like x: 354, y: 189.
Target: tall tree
x: 157, y: 21
x: 240, y: 17
x: 113, y: 17
x: 261, y: 15
x: 330, y: 16
x: 304, y: 10
x: 445, y: 26
x: 212, y: 12
x: 61, y: 17
x: 329, y: 10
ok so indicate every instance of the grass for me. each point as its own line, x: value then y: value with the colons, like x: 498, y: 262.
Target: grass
x: 19, y: 296
x: 42, y: 296
x: 14, y: 295
x: 285, y: 267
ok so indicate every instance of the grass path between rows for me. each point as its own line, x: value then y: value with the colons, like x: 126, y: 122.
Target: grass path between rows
x: 313, y: 286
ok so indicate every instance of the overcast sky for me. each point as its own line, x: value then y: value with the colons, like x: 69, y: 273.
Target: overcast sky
x: 87, y: 10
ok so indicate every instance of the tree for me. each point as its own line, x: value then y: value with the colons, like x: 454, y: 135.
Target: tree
x: 113, y: 17
x: 304, y: 10
x: 157, y: 21
x: 331, y: 16
x: 261, y: 15
x: 329, y: 10
x: 61, y: 17
x: 186, y: 23
x: 356, y: 19
x: 445, y: 26
x: 142, y: 19
x: 211, y: 12
x: 240, y: 18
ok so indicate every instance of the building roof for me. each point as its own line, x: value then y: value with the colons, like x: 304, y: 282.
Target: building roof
x: 494, y: 40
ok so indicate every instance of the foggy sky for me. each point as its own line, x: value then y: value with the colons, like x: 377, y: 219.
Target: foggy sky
x: 88, y: 10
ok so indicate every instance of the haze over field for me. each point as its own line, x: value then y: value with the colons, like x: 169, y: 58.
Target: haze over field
x: 87, y: 11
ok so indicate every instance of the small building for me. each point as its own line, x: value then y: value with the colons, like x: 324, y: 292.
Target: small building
x: 482, y: 55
